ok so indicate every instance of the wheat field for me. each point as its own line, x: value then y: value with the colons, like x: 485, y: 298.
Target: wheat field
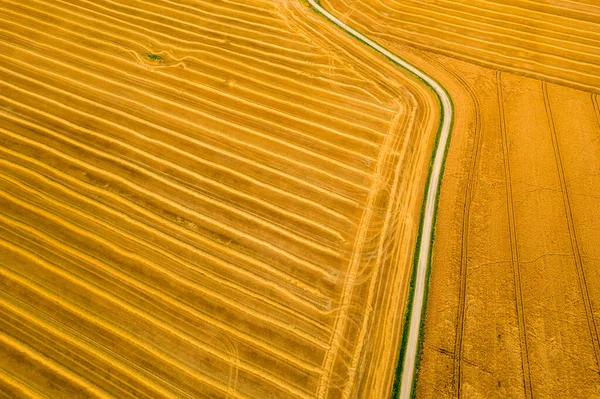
x: 554, y: 40
x: 513, y: 297
x: 202, y: 199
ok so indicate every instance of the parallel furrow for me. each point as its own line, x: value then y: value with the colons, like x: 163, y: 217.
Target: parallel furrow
x: 134, y: 313
x: 6, y: 340
x: 430, y: 30
x: 583, y: 285
x: 170, y: 132
x: 466, y: 22
x: 19, y: 385
x: 290, y: 132
x: 527, y: 386
x: 185, y: 210
x: 47, y: 294
x: 25, y: 324
x: 288, y: 285
x: 223, y: 55
x: 121, y: 249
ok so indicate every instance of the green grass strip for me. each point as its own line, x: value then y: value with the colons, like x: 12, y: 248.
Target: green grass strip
x: 154, y: 57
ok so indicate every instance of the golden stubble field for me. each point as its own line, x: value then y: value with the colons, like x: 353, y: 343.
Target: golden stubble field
x: 513, y: 301
x: 202, y: 199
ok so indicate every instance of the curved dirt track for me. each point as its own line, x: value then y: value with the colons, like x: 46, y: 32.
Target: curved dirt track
x: 428, y: 217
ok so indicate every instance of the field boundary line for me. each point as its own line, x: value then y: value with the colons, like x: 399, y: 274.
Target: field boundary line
x: 405, y: 380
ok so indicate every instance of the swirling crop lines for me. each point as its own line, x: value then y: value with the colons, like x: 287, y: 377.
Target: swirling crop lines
x: 516, y: 267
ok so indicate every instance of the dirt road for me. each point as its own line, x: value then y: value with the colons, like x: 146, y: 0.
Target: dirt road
x: 428, y: 216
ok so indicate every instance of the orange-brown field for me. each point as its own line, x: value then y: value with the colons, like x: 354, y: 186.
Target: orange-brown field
x: 514, y: 298
x: 210, y: 198
x: 220, y: 198
x: 513, y: 309
x: 555, y: 40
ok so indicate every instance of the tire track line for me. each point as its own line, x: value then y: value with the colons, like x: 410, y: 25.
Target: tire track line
x: 469, y: 194
x: 585, y: 296
x: 527, y: 386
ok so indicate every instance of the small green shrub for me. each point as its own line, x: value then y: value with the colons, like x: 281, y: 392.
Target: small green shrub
x: 154, y: 57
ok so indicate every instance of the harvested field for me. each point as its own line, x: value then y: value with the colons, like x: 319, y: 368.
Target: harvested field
x: 555, y: 40
x: 513, y: 304
x: 513, y: 299
x: 202, y: 199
